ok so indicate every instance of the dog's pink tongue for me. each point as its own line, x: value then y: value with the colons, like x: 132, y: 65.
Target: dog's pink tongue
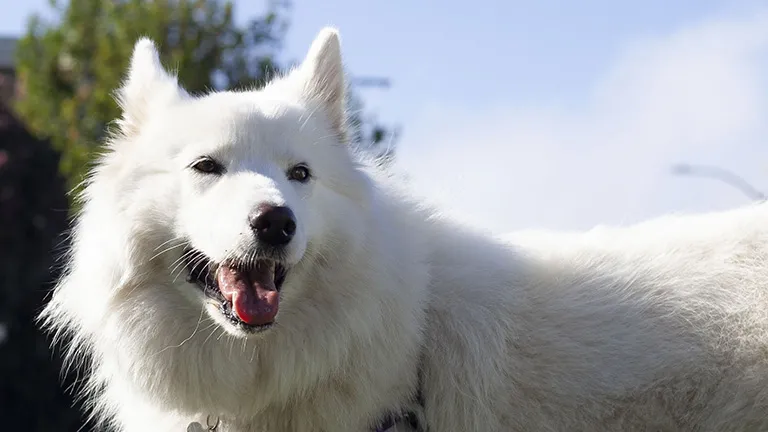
x: 253, y: 295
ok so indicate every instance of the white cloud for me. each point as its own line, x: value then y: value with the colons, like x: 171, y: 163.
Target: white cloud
x: 697, y: 95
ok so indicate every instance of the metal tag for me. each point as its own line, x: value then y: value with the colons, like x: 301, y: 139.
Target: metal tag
x: 196, y: 427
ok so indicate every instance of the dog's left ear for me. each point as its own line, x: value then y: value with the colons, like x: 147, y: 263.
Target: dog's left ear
x: 322, y: 72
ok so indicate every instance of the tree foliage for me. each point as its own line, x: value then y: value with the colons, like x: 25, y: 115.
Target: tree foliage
x: 368, y: 133
x: 70, y: 66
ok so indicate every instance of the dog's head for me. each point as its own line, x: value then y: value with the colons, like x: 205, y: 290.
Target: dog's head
x: 244, y: 186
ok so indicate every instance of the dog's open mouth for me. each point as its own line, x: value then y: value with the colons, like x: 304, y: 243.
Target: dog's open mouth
x: 248, y: 293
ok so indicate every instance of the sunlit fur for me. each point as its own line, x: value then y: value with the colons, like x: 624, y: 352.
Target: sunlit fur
x: 659, y: 326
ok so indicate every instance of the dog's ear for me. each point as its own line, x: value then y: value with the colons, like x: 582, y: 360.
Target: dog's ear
x: 322, y: 73
x: 147, y: 83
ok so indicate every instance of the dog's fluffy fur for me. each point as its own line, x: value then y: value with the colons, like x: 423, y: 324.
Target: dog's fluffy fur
x: 658, y: 326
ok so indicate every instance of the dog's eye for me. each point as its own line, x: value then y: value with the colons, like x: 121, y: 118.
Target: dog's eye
x: 299, y: 173
x: 208, y: 166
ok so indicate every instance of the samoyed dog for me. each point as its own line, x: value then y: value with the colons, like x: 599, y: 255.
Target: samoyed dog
x: 236, y: 267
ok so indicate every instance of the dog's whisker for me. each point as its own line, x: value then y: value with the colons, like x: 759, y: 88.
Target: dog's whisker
x: 167, y: 250
x: 253, y: 354
x: 208, y: 273
x: 181, y: 260
x: 198, y: 260
x: 213, y: 329
x: 197, y: 326
x: 169, y: 241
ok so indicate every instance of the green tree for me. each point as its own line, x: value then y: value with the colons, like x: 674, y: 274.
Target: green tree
x: 367, y: 132
x: 69, y: 67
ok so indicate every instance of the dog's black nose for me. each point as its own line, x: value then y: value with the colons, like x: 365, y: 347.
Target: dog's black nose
x: 274, y: 226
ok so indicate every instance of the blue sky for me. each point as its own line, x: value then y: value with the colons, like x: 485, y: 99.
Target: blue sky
x: 554, y: 114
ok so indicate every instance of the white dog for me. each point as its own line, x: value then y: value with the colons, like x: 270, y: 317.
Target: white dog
x: 236, y: 268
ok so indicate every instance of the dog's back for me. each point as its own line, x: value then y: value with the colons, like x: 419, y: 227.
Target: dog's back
x: 659, y: 326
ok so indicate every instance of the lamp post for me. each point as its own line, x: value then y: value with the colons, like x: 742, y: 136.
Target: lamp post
x: 365, y: 81
x: 721, y: 174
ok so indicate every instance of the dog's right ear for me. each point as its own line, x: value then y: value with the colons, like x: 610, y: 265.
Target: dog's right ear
x: 147, y: 83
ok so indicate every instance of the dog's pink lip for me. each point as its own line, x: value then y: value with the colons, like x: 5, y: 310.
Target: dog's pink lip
x: 252, y: 294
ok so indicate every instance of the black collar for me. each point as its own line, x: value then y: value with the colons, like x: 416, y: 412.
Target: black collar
x: 411, y: 417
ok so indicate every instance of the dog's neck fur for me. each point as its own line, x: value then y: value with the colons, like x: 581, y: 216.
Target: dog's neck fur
x: 313, y: 381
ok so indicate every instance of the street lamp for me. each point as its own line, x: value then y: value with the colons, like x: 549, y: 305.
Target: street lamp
x: 720, y: 174
x: 366, y: 81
